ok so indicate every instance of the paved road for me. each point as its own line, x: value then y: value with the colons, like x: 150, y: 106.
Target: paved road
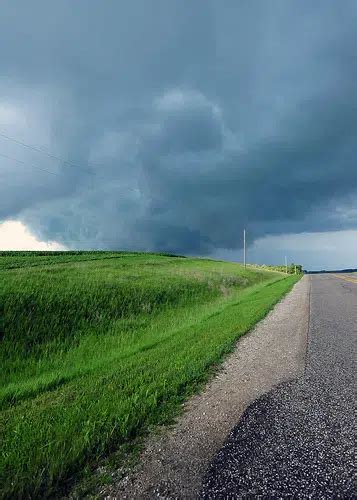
x: 298, y: 441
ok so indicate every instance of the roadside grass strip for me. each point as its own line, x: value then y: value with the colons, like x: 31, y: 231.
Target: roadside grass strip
x: 97, y: 352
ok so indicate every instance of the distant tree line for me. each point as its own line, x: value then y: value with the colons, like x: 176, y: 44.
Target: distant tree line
x: 351, y: 270
x: 291, y: 268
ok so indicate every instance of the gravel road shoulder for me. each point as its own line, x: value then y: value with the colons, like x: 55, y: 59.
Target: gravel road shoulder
x: 174, y: 461
x: 299, y: 440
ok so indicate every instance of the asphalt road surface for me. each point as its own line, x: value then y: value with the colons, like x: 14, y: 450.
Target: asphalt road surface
x: 298, y: 441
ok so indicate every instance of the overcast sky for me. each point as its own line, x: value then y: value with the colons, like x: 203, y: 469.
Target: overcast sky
x: 181, y: 123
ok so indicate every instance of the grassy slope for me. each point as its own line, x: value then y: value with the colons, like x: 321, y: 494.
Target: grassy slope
x: 96, y: 351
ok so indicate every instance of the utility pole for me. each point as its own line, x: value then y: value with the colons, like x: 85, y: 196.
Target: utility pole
x: 244, y: 249
x: 295, y: 270
x: 286, y: 264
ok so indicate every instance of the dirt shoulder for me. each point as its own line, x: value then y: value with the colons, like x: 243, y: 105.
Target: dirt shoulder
x: 173, y: 462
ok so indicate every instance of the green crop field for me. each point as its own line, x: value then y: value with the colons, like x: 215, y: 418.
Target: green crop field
x: 98, y: 347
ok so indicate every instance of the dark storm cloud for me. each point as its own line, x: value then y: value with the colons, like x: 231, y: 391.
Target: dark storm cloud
x: 194, y: 120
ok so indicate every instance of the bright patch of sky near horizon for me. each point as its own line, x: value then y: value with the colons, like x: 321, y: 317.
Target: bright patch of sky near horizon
x: 16, y: 236
x: 315, y: 251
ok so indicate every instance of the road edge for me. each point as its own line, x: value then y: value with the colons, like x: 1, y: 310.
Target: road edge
x: 174, y: 461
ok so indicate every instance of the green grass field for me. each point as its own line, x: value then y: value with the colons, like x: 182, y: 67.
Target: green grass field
x: 99, y: 347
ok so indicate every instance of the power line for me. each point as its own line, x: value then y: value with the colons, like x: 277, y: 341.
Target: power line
x: 52, y: 156
x: 42, y: 151
x: 30, y: 164
x: 134, y: 190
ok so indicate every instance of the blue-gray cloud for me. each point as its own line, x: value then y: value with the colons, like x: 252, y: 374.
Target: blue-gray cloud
x: 193, y: 120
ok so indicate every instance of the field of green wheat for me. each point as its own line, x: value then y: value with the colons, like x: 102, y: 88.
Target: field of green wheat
x: 98, y: 347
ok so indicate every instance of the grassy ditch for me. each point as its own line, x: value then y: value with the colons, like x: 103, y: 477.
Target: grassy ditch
x: 95, y: 351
